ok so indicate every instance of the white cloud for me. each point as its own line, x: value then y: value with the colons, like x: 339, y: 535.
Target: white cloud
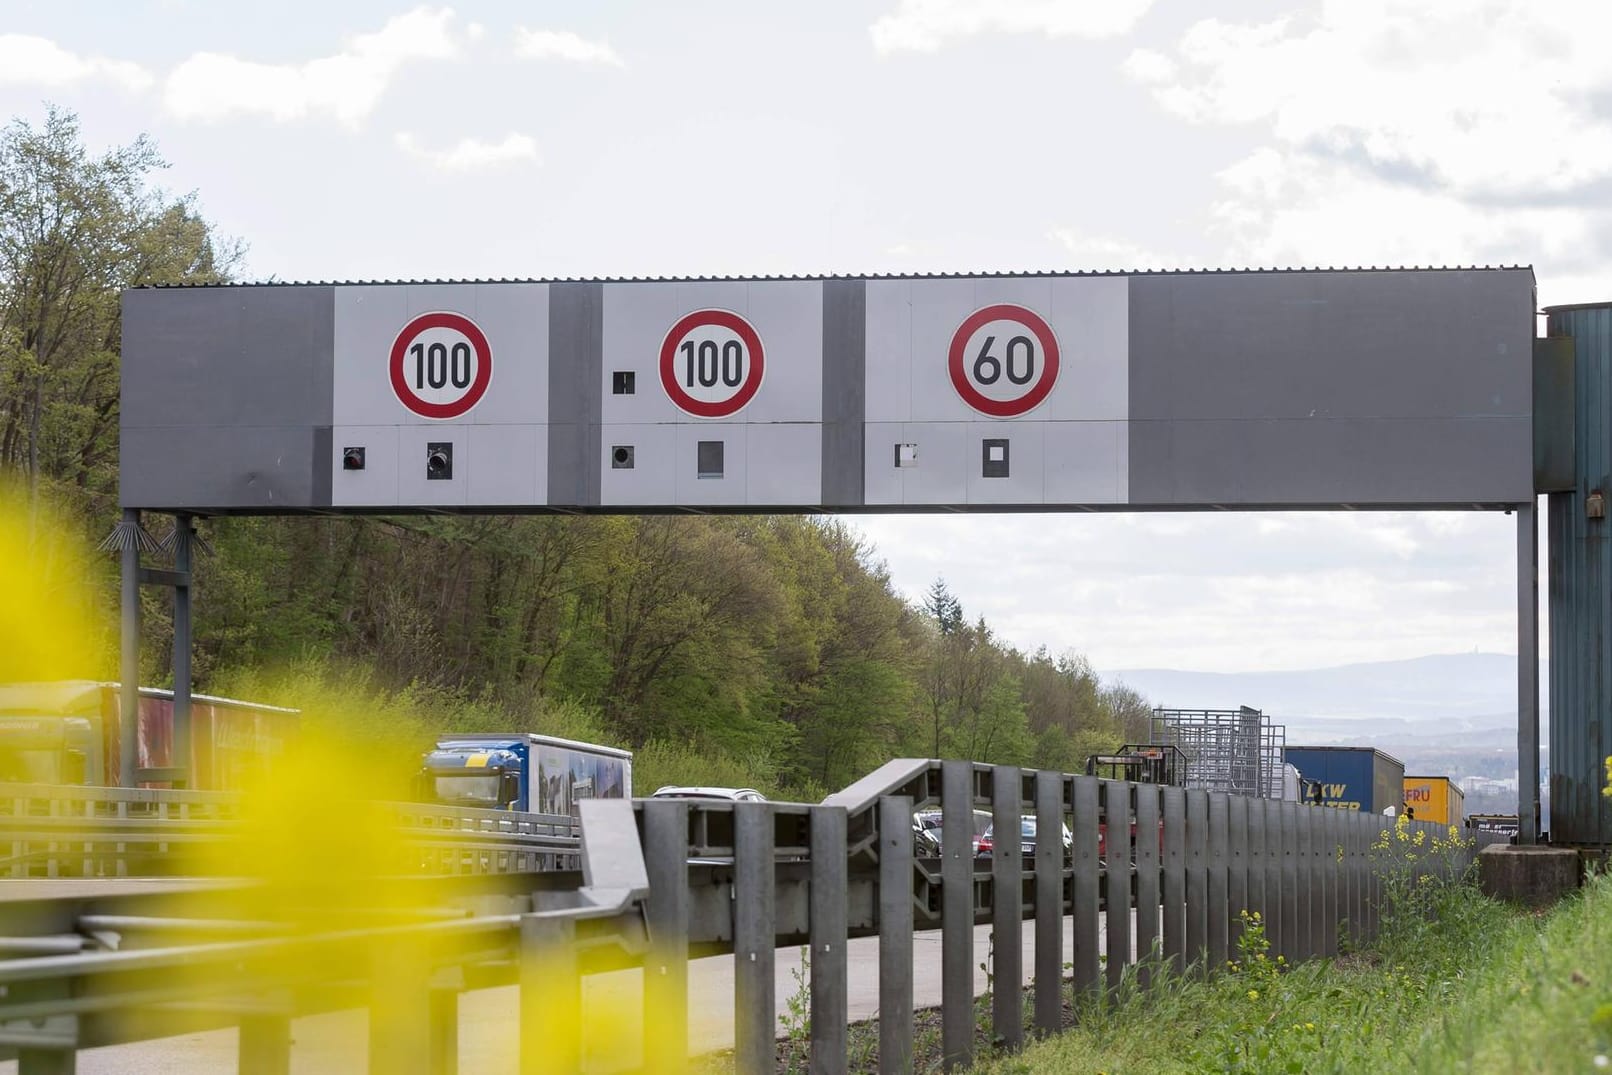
x: 926, y: 25
x: 1407, y: 132
x: 346, y: 86
x: 26, y: 60
x: 564, y: 45
x: 471, y: 154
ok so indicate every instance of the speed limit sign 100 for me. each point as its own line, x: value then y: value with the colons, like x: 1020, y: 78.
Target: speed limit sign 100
x: 440, y: 365
x: 1003, y: 360
x: 711, y: 363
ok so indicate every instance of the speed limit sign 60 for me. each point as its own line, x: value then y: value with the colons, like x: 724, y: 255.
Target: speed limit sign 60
x: 1003, y: 360
x: 441, y: 365
x: 711, y: 363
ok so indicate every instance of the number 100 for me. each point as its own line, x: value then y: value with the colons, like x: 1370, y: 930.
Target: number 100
x: 731, y: 364
x: 432, y: 365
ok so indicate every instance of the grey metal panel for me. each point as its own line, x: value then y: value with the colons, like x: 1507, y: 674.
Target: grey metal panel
x: 323, y: 461
x: 1174, y: 877
x: 1275, y: 917
x: 1117, y: 900
x: 1310, y: 903
x: 217, y: 468
x: 1330, y: 853
x: 1331, y: 387
x: 1049, y: 888
x: 844, y: 390
x: 1147, y: 881
x: 1319, y: 462
x: 1083, y: 898
x: 1197, y: 877
x: 1219, y: 862
x: 576, y: 379
x: 1007, y: 916
x: 1255, y: 820
x: 1555, y: 425
x: 895, y: 946
x: 957, y: 912
x: 666, y: 911
x: 754, y: 937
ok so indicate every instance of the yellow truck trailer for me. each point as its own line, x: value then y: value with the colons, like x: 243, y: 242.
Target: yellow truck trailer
x: 1434, y: 798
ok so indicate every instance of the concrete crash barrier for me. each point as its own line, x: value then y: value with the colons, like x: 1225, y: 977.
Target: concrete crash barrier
x: 1531, y: 876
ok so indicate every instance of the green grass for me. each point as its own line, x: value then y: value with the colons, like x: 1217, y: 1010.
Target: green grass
x: 1455, y: 983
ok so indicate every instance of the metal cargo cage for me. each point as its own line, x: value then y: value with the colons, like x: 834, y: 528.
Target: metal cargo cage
x: 1238, y: 751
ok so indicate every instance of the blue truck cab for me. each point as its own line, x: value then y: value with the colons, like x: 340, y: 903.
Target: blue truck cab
x: 523, y: 771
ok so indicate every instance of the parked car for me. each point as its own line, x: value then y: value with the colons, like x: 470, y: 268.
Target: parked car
x: 1027, y: 838
x: 930, y: 820
x: 737, y: 795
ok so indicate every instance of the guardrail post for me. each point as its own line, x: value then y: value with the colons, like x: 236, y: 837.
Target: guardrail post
x: 895, y: 941
x: 400, y: 1010
x: 265, y: 1044
x: 550, y: 996
x: 754, y: 937
x: 1117, y: 900
x: 1147, y: 882
x: 1175, y: 891
x: 1085, y: 897
x: 1007, y: 908
x: 1197, y: 878
x: 957, y: 913
x: 830, y: 961
x: 666, y: 913
x: 46, y: 1062
x: 1049, y: 866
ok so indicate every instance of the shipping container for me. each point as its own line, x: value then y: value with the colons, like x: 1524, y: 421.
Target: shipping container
x: 1350, y: 778
x: 1435, y: 798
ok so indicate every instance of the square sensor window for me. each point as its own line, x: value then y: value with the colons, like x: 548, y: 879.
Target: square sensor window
x: 621, y: 382
x: 995, y: 458
x: 621, y: 457
x: 906, y: 455
x: 709, y: 459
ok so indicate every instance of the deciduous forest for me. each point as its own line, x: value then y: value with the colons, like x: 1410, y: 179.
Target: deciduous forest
x: 768, y: 651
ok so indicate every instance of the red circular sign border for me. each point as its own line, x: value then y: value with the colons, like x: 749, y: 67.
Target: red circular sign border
x: 1007, y: 408
x: 484, y: 365
x: 668, y: 355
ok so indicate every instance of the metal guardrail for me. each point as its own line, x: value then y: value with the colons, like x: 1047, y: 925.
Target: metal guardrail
x: 665, y: 881
x: 65, y: 831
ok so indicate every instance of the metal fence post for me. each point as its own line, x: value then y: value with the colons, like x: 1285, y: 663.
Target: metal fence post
x: 895, y: 940
x: 666, y: 963
x: 754, y: 936
x: 1175, y: 892
x: 1216, y: 920
x: 957, y: 913
x: 550, y: 996
x: 1197, y: 878
x: 1292, y: 925
x: 1007, y: 908
x: 1117, y: 900
x: 1237, y: 871
x: 264, y: 1044
x: 1049, y: 889
x: 1147, y: 882
x: 1085, y: 895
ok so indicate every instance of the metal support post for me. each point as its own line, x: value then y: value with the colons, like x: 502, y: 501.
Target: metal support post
x: 129, y: 659
x: 1527, y: 674
x: 184, y: 532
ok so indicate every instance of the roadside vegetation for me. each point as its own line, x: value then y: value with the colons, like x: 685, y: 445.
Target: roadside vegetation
x: 1455, y: 982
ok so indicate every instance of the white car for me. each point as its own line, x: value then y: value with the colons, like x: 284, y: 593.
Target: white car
x: 737, y: 795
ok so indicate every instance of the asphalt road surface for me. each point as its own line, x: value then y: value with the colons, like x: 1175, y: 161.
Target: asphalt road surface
x: 335, y: 1042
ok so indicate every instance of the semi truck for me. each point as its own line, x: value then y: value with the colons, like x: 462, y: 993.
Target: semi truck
x: 1435, y: 798
x: 68, y: 732
x: 1349, y: 778
x: 523, y: 771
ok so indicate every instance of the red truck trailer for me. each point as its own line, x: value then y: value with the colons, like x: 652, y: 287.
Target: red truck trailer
x: 68, y: 733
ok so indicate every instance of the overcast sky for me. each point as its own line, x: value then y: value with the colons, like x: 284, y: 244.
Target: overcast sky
x: 370, y: 140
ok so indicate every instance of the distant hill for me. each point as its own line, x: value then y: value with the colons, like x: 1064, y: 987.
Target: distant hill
x: 1451, y: 713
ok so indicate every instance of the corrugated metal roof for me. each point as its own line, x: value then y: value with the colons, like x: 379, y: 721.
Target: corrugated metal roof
x: 854, y: 276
